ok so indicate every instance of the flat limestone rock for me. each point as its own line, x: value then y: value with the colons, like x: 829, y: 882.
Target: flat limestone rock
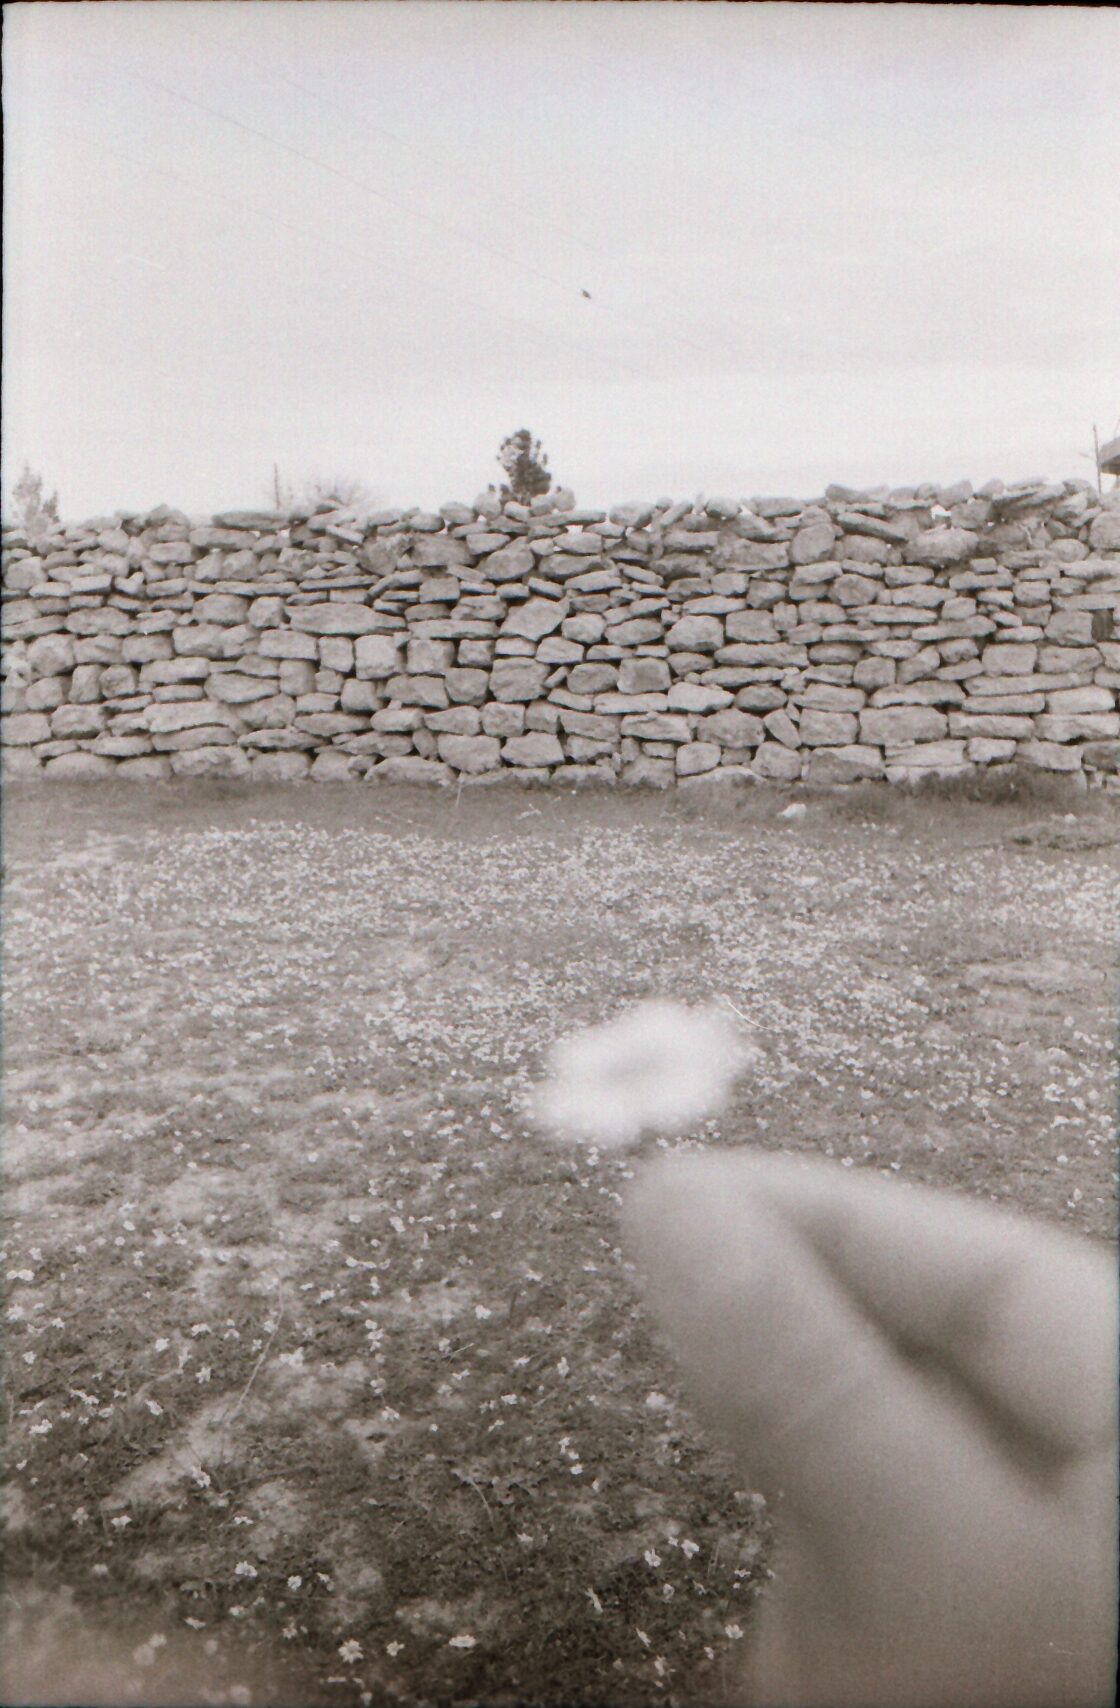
x: 229, y: 762
x: 405, y: 769
x: 334, y: 618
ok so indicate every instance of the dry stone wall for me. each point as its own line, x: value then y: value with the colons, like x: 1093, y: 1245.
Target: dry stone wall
x: 879, y: 633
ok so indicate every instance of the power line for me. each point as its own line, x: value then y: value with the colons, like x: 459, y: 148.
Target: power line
x: 410, y: 211
x: 507, y: 317
x: 501, y: 197
x: 348, y: 178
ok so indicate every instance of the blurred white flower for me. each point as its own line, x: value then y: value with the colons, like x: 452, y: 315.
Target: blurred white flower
x: 659, y: 1067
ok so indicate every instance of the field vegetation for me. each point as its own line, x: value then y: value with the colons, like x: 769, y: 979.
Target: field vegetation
x: 327, y: 1381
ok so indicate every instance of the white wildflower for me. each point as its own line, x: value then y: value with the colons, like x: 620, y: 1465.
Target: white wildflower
x: 393, y: 1649
x: 244, y: 1570
x: 350, y: 1651
x: 464, y: 1641
x: 658, y: 1067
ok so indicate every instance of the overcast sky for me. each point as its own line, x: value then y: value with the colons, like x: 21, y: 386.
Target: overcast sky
x: 856, y: 243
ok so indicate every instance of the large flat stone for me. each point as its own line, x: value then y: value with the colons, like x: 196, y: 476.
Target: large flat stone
x: 405, y: 769
x: 827, y: 728
x: 890, y: 725
x: 941, y: 547
x: 696, y: 634
x: 535, y: 619
x: 234, y: 688
x: 24, y: 729
x: 80, y: 767
x: 776, y: 763
x: 78, y: 723
x: 229, y: 762
x: 167, y: 717
x: 1014, y: 659
x: 836, y: 765
x: 334, y: 617
x: 515, y: 679
x: 377, y: 655
x: 537, y: 748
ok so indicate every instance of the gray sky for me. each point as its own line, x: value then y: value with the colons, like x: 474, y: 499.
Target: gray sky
x: 855, y: 243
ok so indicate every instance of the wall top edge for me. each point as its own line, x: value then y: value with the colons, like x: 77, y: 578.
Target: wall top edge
x: 1004, y: 502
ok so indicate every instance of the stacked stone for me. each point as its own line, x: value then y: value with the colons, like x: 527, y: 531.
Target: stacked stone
x: 867, y: 634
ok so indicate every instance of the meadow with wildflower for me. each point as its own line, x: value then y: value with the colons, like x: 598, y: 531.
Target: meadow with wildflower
x: 328, y: 1380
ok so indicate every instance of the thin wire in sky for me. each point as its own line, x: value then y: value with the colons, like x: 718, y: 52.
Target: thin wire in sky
x: 413, y: 213
x: 357, y: 183
x: 499, y: 312
x: 604, y: 307
x: 449, y: 170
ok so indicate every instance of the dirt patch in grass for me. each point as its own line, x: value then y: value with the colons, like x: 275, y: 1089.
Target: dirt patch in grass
x: 314, y: 1353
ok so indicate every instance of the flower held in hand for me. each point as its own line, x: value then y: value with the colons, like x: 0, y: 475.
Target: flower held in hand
x: 659, y: 1067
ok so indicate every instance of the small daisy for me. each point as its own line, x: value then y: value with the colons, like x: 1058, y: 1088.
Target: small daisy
x: 350, y: 1651
x: 659, y: 1067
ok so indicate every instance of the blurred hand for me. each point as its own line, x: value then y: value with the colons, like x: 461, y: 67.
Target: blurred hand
x: 926, y: 1391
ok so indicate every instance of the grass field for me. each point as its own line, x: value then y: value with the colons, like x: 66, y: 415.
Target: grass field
x: 327, y: 1381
